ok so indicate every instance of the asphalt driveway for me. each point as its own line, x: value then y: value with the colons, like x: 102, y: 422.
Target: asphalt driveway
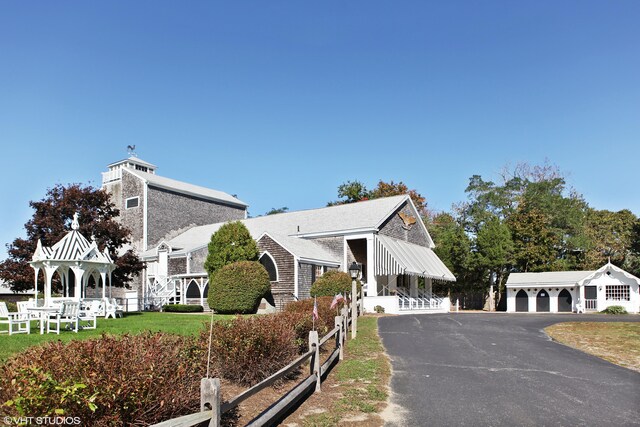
x: 498, y: 369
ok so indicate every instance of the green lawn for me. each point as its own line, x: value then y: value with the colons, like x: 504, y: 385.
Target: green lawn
x: 134, y: 323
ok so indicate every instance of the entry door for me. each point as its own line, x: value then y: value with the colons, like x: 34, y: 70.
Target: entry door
x: 542, y: 301
x: 565, y: 301
x: 522, y: 301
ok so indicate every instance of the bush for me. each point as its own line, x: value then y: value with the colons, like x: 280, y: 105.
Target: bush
x: 378, y: 309
x: 238, y: 287
x: 108, y: 381
x: 231, y: 243
x: 331, y: 283
x: 182, y: 308
x: 614, y: 309
x: 300, y: 316
x: 247, y: 350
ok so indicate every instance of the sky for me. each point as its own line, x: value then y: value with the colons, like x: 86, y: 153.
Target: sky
x: 280, y: 102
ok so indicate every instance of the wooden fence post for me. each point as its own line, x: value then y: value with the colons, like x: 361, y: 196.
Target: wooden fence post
x: 345, y: 320
x: 210, y: 399
x: 339, y: 337
x: 314, y: 344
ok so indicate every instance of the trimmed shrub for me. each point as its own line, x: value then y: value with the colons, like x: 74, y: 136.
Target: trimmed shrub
x: 182, y: 308
x: 378, y: 309
x: 108, y: 381
x: 614, y: 309
x: 238, y: 287
x: 331, y: 283
x: 231, y: 243
x: 247, y: 350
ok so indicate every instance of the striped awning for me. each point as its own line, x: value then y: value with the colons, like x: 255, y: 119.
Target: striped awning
x: 399, y: 257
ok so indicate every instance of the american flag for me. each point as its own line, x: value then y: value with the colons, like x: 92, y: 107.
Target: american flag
x: 336, y: 300
x: 315, y: 309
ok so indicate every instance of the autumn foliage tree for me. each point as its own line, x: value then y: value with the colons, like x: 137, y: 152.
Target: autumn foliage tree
x: 52, y: 220
x: 356, y: 191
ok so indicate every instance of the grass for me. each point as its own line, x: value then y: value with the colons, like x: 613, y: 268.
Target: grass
x: 616, y: 342
x: 362, y: 377
x: 133, y: 323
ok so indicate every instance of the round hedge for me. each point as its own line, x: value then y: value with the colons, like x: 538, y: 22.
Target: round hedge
x: 331, y: 283
x: 238, y: 287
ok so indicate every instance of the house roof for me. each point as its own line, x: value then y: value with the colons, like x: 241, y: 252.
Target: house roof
x: 610, y: 267
x: 304, y: 248
x: 134, y: 159
x: 291, y: 226
x: 547, y: 278
x: 186, y: 188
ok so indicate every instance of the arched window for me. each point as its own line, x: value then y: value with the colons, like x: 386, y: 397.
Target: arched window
x: 193, y: 291
x: 270, y: 265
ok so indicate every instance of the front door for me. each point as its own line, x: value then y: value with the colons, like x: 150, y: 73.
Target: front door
x: 565, y: 302
x: 542, y: 301
x: 522, y: 301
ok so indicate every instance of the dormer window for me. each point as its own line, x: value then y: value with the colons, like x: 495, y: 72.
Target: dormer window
x: 142, y: 168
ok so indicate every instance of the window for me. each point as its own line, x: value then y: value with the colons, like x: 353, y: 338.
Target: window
x: 142, y: 168
x: 617, y: 292
x: 269, y: 265
x: 133, y: 202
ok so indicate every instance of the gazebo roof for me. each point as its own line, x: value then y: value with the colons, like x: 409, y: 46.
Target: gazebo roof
x: 72, y: 247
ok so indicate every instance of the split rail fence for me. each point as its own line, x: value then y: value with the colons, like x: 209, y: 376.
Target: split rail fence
x: 212, y: 409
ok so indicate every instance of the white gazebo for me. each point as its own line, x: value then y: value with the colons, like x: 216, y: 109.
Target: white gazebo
x: 73, y: 253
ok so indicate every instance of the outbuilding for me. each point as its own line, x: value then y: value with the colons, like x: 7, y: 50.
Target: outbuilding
x: 573, y: 291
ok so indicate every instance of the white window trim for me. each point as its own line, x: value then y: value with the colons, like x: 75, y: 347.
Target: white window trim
x: 126, y: 202
x: 275, y: 264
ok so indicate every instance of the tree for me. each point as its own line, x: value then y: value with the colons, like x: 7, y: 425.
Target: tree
x: 232, y: 242
x: 356, y: 191
x: 453, y: 247
x: 351, y: 192
x: 612, y: 235
x: 274, y: 211
x: 535, y: 243
x: 51, y: 221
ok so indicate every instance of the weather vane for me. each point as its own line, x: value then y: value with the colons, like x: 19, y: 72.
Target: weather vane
x: 131, y: 149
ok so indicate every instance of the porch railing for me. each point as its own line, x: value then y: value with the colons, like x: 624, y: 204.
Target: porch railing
x: 591, y: 304
x: 423, y: 301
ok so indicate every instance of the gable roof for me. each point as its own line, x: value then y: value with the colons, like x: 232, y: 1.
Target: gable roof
x: 609, y: 266
x: 186, y: 188
x: 333, y: 220
x: 547, y: 278
x: 304, y: 248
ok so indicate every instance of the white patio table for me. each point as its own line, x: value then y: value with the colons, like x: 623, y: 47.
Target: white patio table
x: 43, y: 314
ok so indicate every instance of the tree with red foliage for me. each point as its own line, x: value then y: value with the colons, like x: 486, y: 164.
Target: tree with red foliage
x: 356, y: 191
x: 52, y: 220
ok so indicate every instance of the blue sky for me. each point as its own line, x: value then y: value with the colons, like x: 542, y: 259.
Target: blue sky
x: 279, y: 102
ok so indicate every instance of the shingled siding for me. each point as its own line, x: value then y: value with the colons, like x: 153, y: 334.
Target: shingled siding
x: 282, y: 289
x: 177, y: 266
x: 170, y: 211
x: 132, y: 218
x: 305, y: 276
x: 197, y: 260
x: 335, y: 245
x: 394, y: 227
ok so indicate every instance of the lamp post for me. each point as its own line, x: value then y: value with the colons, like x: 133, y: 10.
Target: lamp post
x: 354, y: 270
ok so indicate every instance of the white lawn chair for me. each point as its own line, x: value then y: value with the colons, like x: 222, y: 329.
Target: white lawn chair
x: 69, y: 315
x: 112, y: 309
x: 23, y: 307
x: 89, y: 314
x: 20, y: 320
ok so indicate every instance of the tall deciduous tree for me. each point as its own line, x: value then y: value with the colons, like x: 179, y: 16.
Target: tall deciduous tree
x: 51, y: 221
x: 231, y: 243
x: 611, y: 236
x: 356, y: 191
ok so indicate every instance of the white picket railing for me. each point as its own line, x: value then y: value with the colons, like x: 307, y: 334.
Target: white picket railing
x: 422, y: 301
x: 161, y: 290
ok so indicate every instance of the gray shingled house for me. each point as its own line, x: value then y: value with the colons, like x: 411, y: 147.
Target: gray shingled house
x: 385, y: 236
x: 153, y: 207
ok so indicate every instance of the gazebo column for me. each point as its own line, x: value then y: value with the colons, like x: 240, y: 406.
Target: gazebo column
x: 78, y: 273
x: 49, y: 271
x: 36, y: 271
x: 103, y: 277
